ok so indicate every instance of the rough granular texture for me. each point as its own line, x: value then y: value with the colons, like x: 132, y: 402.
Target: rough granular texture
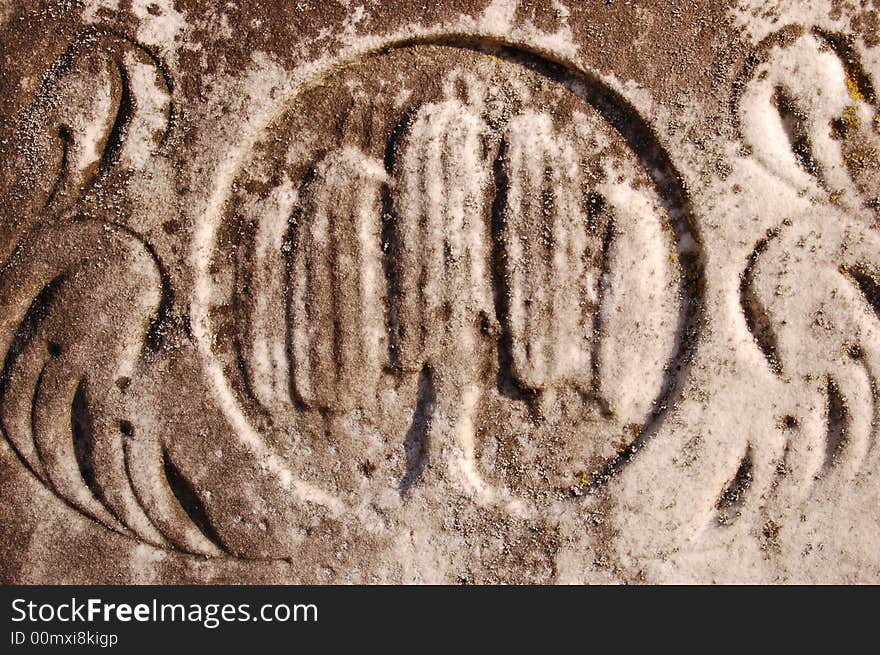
x: 467, y: 292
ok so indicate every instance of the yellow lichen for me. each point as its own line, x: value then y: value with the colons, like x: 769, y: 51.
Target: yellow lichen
x: 847, y: 124
x: 854, y: 92
x: 860, y: 158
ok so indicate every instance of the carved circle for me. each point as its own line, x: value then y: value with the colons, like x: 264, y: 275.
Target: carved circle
x: 433, y: 246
